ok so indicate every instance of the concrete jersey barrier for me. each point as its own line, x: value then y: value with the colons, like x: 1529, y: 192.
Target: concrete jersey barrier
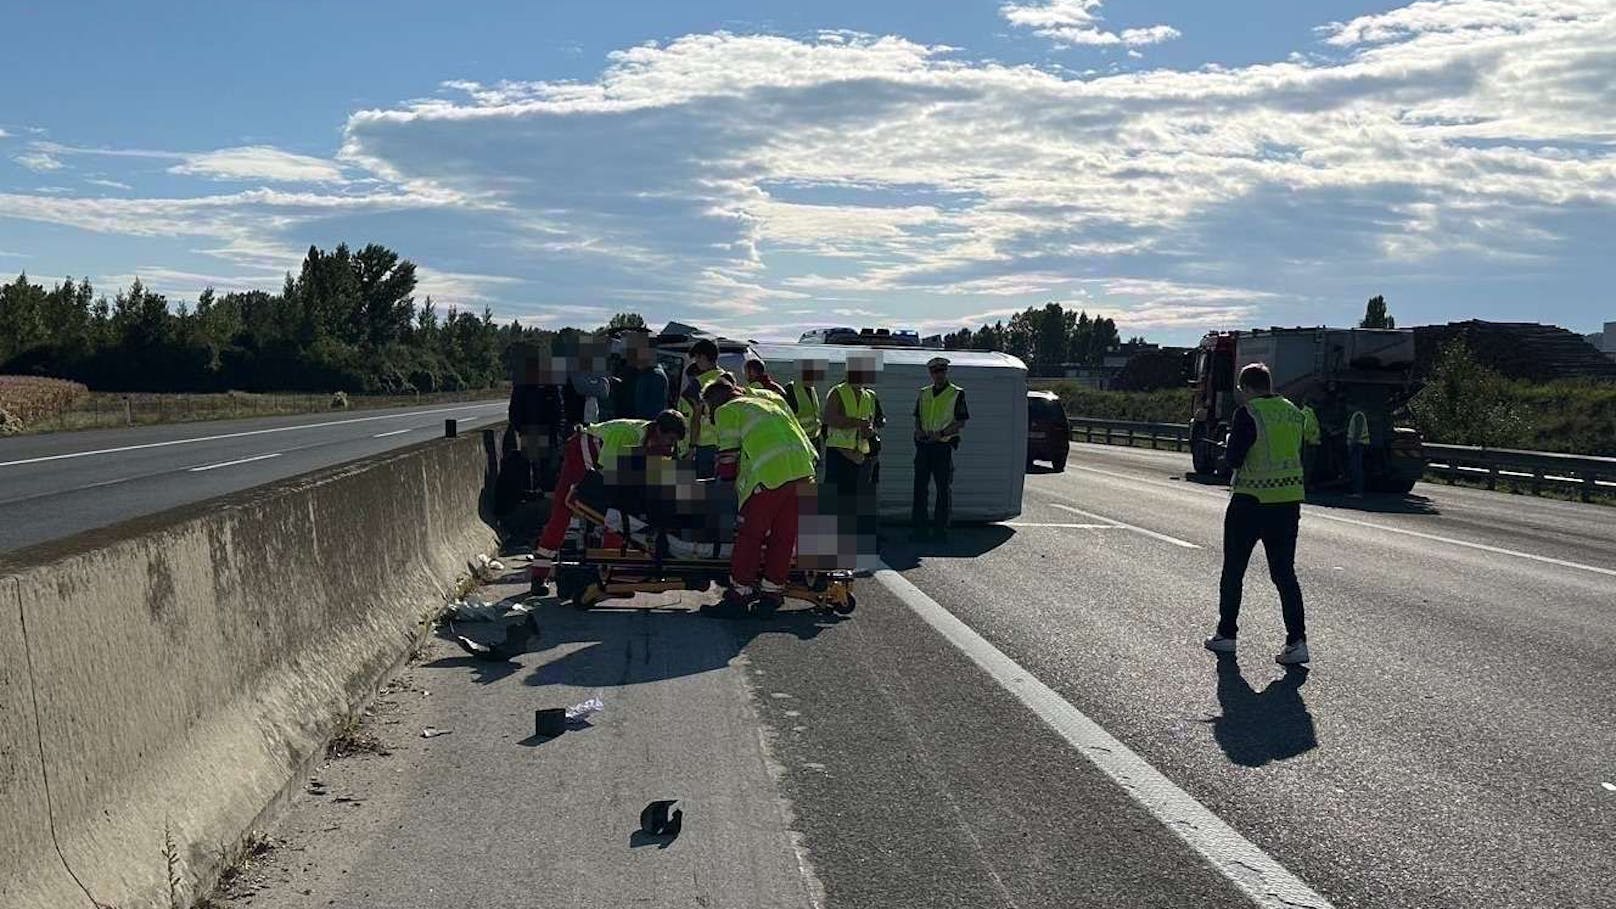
x: 164, y: 680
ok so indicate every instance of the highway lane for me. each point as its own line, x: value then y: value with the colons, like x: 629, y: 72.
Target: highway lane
x: 58, y: 484
x: 1450, y: 747
x: 1451, y: 743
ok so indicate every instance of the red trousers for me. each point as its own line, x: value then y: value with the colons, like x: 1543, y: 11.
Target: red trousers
x: 767, y: 537
x: 574, y: 464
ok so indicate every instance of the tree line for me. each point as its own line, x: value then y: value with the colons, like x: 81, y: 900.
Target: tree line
x: 1043, y: 337
x: 347, y: 321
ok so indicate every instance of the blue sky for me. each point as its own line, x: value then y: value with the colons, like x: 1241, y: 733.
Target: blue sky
x: 766, y: 167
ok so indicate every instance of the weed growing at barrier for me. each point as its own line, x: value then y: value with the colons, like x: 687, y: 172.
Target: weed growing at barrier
x: 234, y: 864
x: 171, y: 868
x: 353, y: 738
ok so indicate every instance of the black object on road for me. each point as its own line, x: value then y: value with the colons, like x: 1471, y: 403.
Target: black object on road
x: 449, y: 428
x: 514, y: 644
x: 550, y: 721
x: 656, y: 821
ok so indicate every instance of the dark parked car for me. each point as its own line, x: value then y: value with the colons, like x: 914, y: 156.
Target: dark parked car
x: 1048, y: 433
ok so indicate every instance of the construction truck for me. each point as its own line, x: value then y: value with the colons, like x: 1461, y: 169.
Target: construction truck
x: 1337, y: 371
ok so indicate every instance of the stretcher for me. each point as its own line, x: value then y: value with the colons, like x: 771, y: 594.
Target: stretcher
x: 620, y: 554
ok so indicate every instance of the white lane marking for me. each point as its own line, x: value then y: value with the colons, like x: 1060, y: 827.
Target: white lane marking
x: 1071, y: 526
x: 1185, y: 486
x: 383, y: 435
x: 238, y: 435
x: 263, y: 457
x: 1315, y: 513
x: 1253, y: 871
x: 1149, y: 533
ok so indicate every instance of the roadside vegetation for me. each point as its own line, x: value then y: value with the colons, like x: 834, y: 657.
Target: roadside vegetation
x: 1462, y: 403
x: 347, y: 321
x: 102, y: 410
x: 1168, y: 405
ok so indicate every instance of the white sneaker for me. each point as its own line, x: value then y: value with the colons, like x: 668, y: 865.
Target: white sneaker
x: 1292, y: 655
x: 1220, y: 644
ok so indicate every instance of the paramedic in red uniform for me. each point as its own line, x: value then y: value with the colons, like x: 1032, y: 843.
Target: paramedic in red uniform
x: 590, y: 448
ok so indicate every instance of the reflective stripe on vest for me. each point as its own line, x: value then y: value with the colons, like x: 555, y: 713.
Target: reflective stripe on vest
x: 617, y: 437
x: 1358, y: 428
x: 861, y: 408
x: 807, y: 399
x: 937, y: 410
x: 1272, y: 472
x: 772, y: 449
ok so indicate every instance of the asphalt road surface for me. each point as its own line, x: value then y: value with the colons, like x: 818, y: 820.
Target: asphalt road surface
x: 57, y: 484
x: 1025, y: 717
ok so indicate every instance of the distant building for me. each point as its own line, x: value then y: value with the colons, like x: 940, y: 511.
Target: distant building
x: 1605, y: 341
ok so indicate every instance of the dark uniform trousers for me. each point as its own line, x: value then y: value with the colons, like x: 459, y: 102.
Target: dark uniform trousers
x: 934, y: 463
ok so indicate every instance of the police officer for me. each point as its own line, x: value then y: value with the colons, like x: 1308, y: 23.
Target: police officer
x: 851, y: 418
x: 939, y: 413
x: 1265, y: 450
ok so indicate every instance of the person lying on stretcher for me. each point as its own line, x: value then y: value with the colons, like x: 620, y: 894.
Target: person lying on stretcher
x: 698, y: 518
x: 645, y: 495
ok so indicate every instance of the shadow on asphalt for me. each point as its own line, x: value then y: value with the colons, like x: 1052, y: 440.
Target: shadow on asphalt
x: 1257, y: 728
x: 614, y: 645
x: 900, y: 553
x: 485, y: 672
x: 1375, y: 503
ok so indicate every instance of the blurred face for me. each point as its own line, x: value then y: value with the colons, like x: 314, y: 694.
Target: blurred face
x: 860, y: 372
x: 637, y: 350
x: 754, y: 371
x: 813, y: 371
x: 658, y: 442
x: 544, y: 369
x: 939, y: 375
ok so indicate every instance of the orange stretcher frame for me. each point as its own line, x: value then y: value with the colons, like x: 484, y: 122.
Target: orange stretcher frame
x: 587, y: 576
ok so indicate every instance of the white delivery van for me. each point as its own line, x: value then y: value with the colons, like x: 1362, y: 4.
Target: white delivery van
x: 989, y: 466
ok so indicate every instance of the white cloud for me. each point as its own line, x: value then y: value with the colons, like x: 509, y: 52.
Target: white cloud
x: 110, y: 184
x: 38, y: 162
x: 258, y: 162
x: 1076, y: 22
x: 4, y: 134
x: 737, y: 175
x: 457, y: 287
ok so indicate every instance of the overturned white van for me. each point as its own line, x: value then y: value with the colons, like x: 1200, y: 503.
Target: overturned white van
x: 989, y: 466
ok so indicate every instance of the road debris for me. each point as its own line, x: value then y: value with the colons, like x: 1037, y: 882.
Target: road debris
x: 549, y: 722
x: 513, y: 644
x: 586, y: 708
x: 655, y: 819
x: 432, y: 732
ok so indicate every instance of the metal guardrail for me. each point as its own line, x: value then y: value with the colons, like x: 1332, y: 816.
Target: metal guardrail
x: 1536, y: 470
x: 1112, y: 432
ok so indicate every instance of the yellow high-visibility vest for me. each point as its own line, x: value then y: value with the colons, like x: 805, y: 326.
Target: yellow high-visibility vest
x: 1272, y: 472
x: 769, y: 443
x: 857, y: 404
x: 807, y: 399
x: 1358, y: 428
x: 937, y: 410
